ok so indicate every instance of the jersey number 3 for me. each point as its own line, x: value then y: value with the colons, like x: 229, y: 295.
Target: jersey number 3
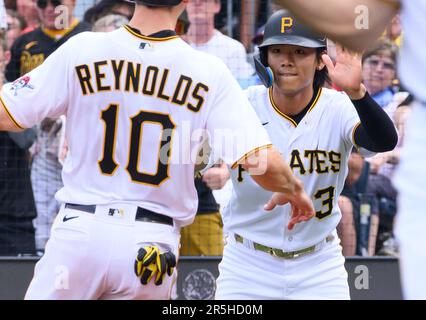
x: 108, y: 165
x: 327, y: 197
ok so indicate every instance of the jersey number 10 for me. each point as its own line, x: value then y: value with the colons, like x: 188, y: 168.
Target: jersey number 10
x: 108, y: 165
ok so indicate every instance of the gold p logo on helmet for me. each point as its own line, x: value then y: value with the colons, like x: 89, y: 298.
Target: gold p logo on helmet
x: 286, y: 22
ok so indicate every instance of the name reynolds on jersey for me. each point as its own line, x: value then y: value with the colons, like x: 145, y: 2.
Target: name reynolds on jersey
x: 131, y: 77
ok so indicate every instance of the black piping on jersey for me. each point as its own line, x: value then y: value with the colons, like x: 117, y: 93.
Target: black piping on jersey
x: 295, y: 119
x: 162, y: 35
x: 376, y: 131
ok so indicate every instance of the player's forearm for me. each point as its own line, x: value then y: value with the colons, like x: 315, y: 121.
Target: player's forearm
x: 377, y: 132
x: 272, y: 173
x: 353, y: 23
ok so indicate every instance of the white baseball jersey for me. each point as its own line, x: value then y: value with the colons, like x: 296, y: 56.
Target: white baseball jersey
x: 412, y: 62
x: 317, y: 150
x: 411, y: 172
x: 134, y: 105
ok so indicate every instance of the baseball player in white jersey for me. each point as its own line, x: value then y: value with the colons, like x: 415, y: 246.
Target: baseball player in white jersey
x: 315, y: 130
x: 336, y: 18
x: 134, y: 98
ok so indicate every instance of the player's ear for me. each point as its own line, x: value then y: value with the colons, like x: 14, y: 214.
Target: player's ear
x: 320, y: 63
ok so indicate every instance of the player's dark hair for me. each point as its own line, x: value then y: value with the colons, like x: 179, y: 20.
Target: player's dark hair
x: 321, y: 76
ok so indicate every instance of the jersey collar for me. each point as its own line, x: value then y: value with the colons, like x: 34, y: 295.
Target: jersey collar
x: 294, y: 120
x: 162, y: 35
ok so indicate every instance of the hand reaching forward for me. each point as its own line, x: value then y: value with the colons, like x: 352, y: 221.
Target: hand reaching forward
x: 301, y: 205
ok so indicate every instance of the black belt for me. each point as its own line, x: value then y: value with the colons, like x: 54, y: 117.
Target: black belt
x: 141, y: 213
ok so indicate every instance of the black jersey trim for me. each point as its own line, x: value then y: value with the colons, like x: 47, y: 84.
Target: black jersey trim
x: 134, y: 32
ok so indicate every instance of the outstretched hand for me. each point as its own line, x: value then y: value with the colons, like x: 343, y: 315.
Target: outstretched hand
x: 346, y: 73
x: 302, y: 207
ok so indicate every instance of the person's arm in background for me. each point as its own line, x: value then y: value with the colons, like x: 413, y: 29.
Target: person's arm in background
x: 217, y: 176
x: 345, y: 21
x: 249, y: 13
x: 346, y: 228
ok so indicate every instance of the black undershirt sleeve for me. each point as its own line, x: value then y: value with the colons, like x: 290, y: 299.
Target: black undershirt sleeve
x: 376, y: 132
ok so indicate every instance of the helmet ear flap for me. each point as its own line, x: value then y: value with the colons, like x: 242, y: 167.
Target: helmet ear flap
x: 263, y: 55
x: 263, y: 71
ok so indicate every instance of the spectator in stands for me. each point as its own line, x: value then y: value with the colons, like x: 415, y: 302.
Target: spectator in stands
x: 378, y: 72
x: 253, y: 15
x: 107, y: 7
x: 28, y: 10
x: 15, y: 25
x: 346, y: 227
x: 381, y: 184
x: 29, y: 51
x: 384, y: 195
x: 203, y: 36
x: 386, y: 163
x: 394, y: 31
x: 17, y: 208
x: 360, y: 218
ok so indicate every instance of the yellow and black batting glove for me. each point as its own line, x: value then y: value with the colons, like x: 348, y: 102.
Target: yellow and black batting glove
x: 145, y: 263
x: 150, y: 262
x: 165, y: 264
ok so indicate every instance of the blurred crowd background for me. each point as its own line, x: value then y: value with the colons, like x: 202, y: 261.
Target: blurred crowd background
x: 31, y: 161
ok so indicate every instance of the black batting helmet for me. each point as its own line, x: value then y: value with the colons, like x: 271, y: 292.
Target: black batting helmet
x: 158, y: 3
x: 283, y: 28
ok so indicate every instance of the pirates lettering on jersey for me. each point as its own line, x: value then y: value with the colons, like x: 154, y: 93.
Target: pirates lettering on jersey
x: 296, y: 162
x: 319, y: 161
x: 240, y: 173
x: 134, y: 77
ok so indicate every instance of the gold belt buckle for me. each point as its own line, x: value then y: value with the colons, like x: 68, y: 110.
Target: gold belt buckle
x: 280, y: 253
x: 238, y: 238
x: 272, y: 252
x: 295, y: 255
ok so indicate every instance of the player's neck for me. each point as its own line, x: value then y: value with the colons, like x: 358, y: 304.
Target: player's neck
x: 149, y: 21
x: 292, y: 104
x: 201, y: 33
